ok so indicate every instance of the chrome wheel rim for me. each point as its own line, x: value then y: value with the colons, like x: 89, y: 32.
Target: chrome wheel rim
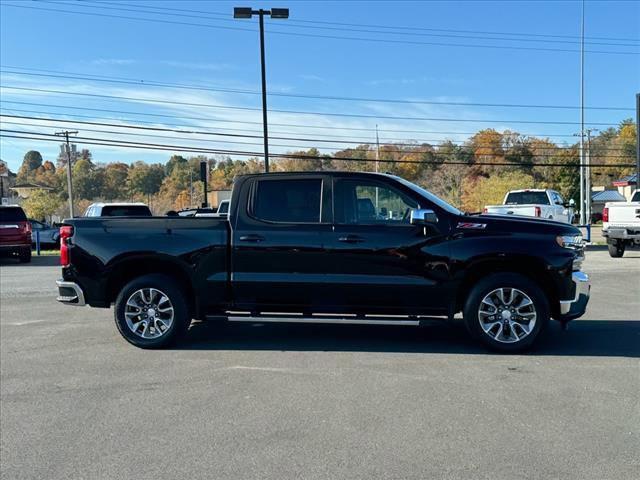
x: 149, y: 313
x: 507, y: 315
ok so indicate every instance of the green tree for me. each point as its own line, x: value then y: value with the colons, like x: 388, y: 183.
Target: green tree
x: 175, y: 161
x: 115, y: 181
x: 41, y: 204
x: 145, y: 179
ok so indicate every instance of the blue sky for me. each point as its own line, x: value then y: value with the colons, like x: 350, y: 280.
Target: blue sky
x: 222, y: 54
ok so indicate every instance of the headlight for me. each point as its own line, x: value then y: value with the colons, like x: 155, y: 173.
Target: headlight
x: 570, y: 241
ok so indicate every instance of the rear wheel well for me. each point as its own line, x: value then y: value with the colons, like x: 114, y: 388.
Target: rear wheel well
x: 529, y: 269
x: 131, y: 269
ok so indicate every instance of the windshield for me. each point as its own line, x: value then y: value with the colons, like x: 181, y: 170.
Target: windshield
x: 527, y: 198
x: 636, y: 197
x: 430, y: 196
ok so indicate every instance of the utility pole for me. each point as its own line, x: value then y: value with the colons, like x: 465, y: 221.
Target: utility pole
x: 582, y: 176
x: 66, y: 134
x: 637, y: 141
x: 588, y: 173
x: 377, y: 162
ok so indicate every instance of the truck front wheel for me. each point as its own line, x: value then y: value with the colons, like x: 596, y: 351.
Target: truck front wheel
x: 616, y: 250
x: 506, y: 312
x: 151, y: 312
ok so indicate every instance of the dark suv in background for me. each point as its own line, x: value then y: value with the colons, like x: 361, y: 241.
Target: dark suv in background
x: 15, y: 233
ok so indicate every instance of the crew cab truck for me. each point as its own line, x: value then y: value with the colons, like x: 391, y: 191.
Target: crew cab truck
x: 538, y: 203
x: 621, y: 224
x: 333, y: 247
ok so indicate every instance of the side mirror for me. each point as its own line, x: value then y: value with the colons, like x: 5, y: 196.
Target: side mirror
x: 421, y: 216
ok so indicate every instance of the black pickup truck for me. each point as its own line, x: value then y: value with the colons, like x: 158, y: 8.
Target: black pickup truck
x: 327, y: 247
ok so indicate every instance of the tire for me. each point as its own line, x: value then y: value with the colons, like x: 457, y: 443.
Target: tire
x: 616, y: 250
x: 528, y: 321
x: 152, y: 296
x: 24, y: 255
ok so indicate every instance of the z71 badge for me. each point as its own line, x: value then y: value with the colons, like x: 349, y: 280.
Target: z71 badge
x: 477, y: 226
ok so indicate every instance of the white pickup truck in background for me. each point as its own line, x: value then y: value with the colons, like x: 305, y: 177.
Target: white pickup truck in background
x: 621, y: 224
x: 534, y: 203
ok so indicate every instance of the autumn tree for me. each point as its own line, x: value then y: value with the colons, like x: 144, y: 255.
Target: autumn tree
x: 480, y: 191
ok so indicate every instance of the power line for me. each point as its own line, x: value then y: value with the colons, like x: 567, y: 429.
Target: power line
x: 402, y: 27
x: 306, y: 140
x: 313, y: 25
x: 540, y: 135
x: 297, y: 112
x: 330, y: 37
x: 154, y: 83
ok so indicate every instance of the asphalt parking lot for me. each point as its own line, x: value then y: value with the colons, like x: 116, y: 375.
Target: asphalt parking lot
x: 287, y: 401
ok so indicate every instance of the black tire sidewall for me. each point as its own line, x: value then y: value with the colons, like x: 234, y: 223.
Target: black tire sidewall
x: 616, y: 250
x: 169, y: 287
x: 508, y: 280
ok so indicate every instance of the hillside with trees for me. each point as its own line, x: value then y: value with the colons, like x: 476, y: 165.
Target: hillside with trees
x: 468, y: 174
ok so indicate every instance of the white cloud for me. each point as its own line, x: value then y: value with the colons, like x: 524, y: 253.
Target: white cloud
x: 113, y: 61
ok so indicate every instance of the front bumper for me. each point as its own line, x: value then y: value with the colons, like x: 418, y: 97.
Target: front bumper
x: 570, y: 309
x: 70, y: 293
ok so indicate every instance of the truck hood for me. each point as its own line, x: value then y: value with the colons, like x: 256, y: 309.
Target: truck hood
x: 514, y: 224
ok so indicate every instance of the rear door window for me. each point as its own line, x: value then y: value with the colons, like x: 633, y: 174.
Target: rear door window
x: 126, y: 211
x: 12, y: 214
x: 288, y: 201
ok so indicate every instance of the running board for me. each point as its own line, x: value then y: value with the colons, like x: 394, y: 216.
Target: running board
x: 334, y: 319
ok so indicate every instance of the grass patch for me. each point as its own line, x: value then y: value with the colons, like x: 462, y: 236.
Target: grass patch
x: 47, y: 253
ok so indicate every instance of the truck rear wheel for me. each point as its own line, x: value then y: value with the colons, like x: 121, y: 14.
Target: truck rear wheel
x: 151, y: 312
x: 506, y: 312
x: 616, y: 250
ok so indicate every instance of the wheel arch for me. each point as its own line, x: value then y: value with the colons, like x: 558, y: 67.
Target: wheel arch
x: 528, y: 267
x: 127, y: 269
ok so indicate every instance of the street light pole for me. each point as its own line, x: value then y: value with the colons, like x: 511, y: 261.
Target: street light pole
x: 246, y: 12
x: 264, y: 94
x: 66, y: 134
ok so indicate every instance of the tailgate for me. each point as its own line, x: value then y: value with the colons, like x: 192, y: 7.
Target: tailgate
x: 13, y: 233
x: 627, y: 215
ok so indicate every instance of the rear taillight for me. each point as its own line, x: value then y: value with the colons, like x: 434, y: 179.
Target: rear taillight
x: 538, y: 212
x: 25, y: 227
x: 605, y: 214
x: 66, y: 232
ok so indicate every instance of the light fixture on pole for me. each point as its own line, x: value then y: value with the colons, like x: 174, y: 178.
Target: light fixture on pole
x: 247, y: 12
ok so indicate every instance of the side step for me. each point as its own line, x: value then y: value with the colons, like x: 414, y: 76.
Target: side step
x: 343, y: 319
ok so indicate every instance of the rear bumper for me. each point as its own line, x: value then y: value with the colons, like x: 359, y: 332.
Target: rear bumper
x: 617, y: 233
x: 14, y: 246
x: 570, y: 309
x: 70, y: 293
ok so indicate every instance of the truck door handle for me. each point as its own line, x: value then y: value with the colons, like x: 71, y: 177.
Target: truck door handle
x: 252, y: 238
x: 351, y: 239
